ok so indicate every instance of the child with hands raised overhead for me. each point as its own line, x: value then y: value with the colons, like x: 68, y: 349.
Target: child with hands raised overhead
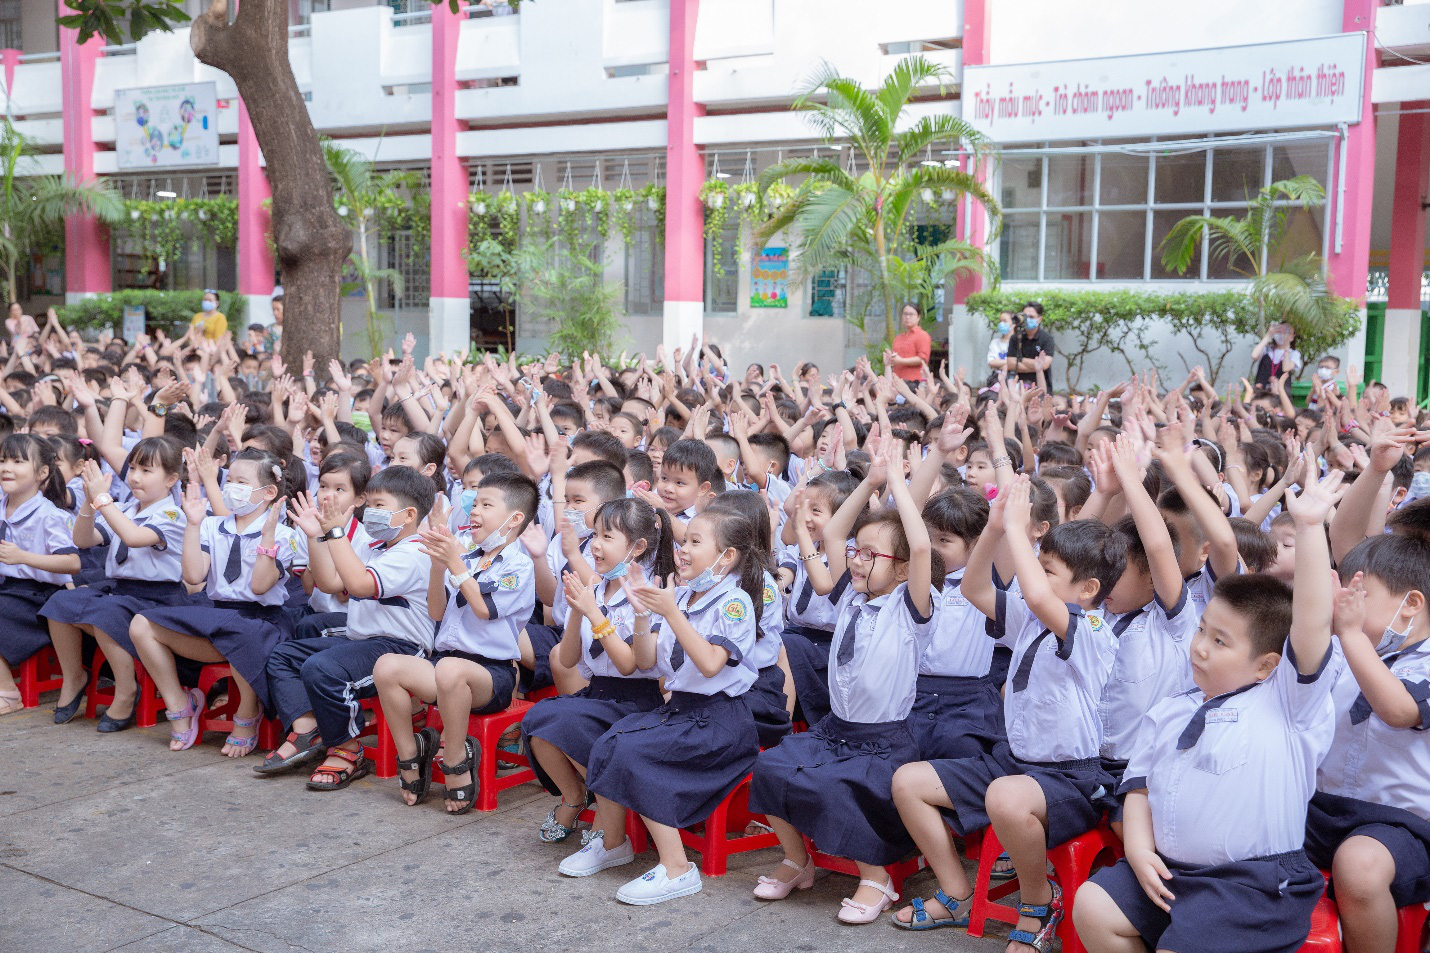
x: 1208, y: 869
x: 832, y: 783
x: 240, y: 560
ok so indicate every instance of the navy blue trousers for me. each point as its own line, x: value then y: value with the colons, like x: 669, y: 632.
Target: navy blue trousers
x: 328, y: 676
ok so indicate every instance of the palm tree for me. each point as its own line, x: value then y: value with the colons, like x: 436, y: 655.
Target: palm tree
x: 864, y: 220
x: 1292, y: 290
x: 361, y: 195
x: 33, y: 207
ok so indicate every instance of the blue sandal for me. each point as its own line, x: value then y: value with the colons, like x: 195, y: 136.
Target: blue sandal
x: 1048, y: 915
x: 244, y: 745
x: 923, y: 920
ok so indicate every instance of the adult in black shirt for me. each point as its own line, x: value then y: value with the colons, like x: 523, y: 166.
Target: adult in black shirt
x: 1031, y: 348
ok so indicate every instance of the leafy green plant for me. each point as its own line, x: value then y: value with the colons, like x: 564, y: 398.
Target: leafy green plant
x: 168, y: 310
x: 624, y: 209
x: 842, y: 219
x: 595, y: 206
x: 568, y: 225
x: 654, y: 197
x: 538, y: 213
x: 715, y: 196
x: 571, y: 291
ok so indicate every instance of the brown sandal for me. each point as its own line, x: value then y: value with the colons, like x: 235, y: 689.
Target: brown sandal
x: 358, y: 767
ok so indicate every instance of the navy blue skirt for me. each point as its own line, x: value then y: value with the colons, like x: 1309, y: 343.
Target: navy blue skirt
x: 25, y: 631
x: 1076, y: 792
x: 808, y: 653
x: 244, y: 633
x: 1332, y: 819
x: 543, y: 639
x: 676, y: 763
x: 767, y: 702
x: 956, y: 717
x: 834, y: 784
x: 573, y: 723
x: 112, y: 604
x: 1251, y: 906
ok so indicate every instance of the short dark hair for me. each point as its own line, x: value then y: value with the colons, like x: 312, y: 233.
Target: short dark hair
x: 1136, y: 550
x: 568, y: 410
x: 640, y: 468
x: 1400, y: 561
x: 411, y: 487
x: 275, y: 440
x: 60, y: 418
x: 355, y: 465
x: 1091, y: 550
x: 961, y: 511
x: 837, y: 485
x: 776, y: 446
x: 665, y: 436
x: 519, y: 493
x: 1255, y: 546
x: 1264, y: 603
x: 608, y: 482
x: 164, y: 453
x: 697, y: 457
x: 489, y: 463
x: 603, y: 445
x: 1076, y: 484
x: 636, y: 519
x: 1055, y: 453
x: 1036, y: 306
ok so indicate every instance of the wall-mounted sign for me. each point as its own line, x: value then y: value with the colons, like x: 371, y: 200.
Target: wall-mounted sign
x: 769, y: 280
x: 166, y: 127
x: 1297, y: 83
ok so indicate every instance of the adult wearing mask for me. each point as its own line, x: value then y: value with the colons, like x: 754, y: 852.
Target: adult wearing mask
x: 1032, y: 348
x: 1274, y: 354
x: 210, y: 323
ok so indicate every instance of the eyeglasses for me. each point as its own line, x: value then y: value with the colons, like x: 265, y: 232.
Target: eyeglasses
x: 868, y: 555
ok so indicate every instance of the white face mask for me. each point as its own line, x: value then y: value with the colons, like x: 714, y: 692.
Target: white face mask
x: 497, y: 538
x: 1326, y: 373
x: 238, y: 498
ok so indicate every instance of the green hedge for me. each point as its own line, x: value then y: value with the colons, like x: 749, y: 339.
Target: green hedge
x: 1133, y: 324
x: 170, y: 310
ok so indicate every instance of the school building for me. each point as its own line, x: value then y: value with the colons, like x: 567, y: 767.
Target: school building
x: 1115, y: 119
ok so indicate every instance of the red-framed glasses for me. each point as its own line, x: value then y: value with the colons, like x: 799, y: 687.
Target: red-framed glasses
x: 868, y: 555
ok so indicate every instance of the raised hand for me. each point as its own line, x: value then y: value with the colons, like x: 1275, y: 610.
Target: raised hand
x: 304, y: 514
x: 1313, y: 505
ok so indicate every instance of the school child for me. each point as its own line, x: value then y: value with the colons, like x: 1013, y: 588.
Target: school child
x: 482, y: 598
x: 578, y: 493
x: 1220, y: 776
x: 241, y: 560
x: 476, y: 470
x: 832, y: 783
x: 343, y: 480
x: 809, y: 616
x: 1369, y: 821
x: 37, y: 557
x: 689, y: 478
x: 674, y: 764
x: 1047, y: 784
x: 142, y: 540
x: 424, y: 453
x: 769, y: 704
x: 317, y: 683
x: 630, y: 540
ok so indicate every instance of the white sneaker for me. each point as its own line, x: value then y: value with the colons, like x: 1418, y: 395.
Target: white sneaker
x: 594, y: 858
x: 655, y: 887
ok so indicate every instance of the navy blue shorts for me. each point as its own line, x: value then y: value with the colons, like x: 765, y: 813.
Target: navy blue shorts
x: 502, y: 671
x: 543, y: 639
x: 1252, y: 906
x: 1331, y: 820
x: 1076, y: 792
x: 956, y: 717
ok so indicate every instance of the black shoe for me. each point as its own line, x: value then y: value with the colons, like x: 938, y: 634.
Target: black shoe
x: 66, y: 714
x: 107, y: 724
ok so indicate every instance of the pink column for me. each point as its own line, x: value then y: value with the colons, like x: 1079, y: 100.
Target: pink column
x: 684, y: 174
x: 449, y: 313
x: 11, y: 59
x: 255, y: 259
x: 1400, y: 347
x: 87, y: 264
x: 975, y: 53
x: 1349, y: 263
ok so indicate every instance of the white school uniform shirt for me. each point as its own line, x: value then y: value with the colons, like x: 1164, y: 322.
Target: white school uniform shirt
x: 767, y: 647
x: 685, y: 516
x: 1371, y: 761
x: 724, y: 616
x: 1153, y: 662
x: 877, y: 682
x: 805, y: 607
x: 959, y: 645
x: 37, y: 526
x: 218, y: 535
x: 556, y: 562
x: 398, y: 608
x: 509, y: 591
x: 1055, y: 717
x: 363, y: 545
x: 162, y: 562
x: 77, y: 495
x: 1241, y: 791
x: 617, y: 609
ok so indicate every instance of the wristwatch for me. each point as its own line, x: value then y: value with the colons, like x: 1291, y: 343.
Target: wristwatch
x: 158, y: 410
x: 460, y: 578
x: 335, y: 533
x: 101, y: 501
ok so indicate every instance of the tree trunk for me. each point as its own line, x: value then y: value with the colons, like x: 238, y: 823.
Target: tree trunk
x: 311, y: 240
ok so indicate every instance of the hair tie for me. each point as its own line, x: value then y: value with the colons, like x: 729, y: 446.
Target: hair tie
x: 83, y: 442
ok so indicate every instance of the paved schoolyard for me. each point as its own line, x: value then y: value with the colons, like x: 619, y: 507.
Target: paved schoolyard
x: 110, y: 842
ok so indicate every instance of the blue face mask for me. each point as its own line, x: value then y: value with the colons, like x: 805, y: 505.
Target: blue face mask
x: 467, y: 499
x: 707, y: 578
x: 620, y: 570
x: 1031, y: 324
x: 1004, y: 327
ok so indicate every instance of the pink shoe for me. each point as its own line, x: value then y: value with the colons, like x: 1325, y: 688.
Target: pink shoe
x: 192, y: 712
x: 773, y: 888
x: 852, y: 911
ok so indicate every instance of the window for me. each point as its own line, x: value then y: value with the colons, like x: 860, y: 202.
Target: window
x: 826, y: 294
x: 11, y: 37
x: 722, y: 291
x: 1075, y: 213
x: 645, y: 267
x: 400, y: 252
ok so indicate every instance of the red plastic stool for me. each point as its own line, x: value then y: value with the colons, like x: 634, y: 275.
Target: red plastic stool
x: 898, y: 872
x: 1325, y: 935
x: 723, y: 832
x: 221, y: 719
x: 151, y: 704
x: 383, y: 753
x: 541, y: 694
x: 1412, y: 928
x: 105, y: 696
x: 1073, y: 863
x: 38, y: 674
x: 487, y: 731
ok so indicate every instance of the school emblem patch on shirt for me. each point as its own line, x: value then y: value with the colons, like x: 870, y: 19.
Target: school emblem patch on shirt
x: 1095, y: 621
x: 507, y: 582
x: 171, y: 514
x: 769, y: 595
x: 734, y: 610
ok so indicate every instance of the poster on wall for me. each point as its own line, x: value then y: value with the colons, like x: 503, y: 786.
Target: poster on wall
x: 769, y: 279
x: 166, y: 127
